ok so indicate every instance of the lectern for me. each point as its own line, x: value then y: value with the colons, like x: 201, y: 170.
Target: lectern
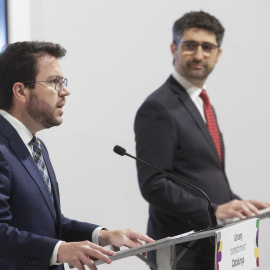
x: 236, y: 246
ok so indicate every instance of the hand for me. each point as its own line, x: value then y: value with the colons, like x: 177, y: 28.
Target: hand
x: 259, y: 205
x: 80, y: 253
x: 241, y: 209
x: 128, y: 238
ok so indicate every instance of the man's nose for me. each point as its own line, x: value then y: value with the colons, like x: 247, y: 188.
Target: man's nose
x: 198, y: 54
x: 64, y: 91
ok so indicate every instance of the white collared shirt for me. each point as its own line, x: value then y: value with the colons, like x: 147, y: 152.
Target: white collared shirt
x: 22, y: 130
x: 193, y: 91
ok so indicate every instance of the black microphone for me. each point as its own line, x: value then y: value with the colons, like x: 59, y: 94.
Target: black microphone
x: 211, y: 210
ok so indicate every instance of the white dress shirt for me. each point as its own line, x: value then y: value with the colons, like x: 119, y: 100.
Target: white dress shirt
x: 26, y: 137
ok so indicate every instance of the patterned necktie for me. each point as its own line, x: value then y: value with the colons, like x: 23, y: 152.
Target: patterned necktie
x: 37, y: 155
x: 211, y: 122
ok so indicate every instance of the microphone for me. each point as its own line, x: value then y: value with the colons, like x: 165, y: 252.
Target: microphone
x: 211, y: 210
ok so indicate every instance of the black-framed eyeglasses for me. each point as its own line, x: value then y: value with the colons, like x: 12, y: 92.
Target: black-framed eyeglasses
x: 192, y: 46
x: 54, y: 84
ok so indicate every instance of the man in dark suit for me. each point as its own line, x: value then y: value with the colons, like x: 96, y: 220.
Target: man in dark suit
x: 172, y: 133
x: 34, y: 234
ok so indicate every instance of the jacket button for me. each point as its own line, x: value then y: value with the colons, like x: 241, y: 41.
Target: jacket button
x: 28, y: 261
x: 37, y: 262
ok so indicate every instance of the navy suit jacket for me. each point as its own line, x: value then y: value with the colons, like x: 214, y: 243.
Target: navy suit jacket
x: 30, y: 223
x: 171, y: 134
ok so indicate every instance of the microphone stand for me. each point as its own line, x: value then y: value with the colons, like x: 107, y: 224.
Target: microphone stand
x: 211, y: 210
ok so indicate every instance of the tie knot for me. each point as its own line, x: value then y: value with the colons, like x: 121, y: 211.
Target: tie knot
x: 34, y: 141
x: 204, y: 97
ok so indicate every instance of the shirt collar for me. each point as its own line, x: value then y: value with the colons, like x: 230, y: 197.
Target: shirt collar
x: 192, y: 90
x: 22, y: 130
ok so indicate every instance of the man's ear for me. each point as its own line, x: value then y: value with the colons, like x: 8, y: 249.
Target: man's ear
x: 219, y: 54
x: 173, y: 49
x: 19, y: 91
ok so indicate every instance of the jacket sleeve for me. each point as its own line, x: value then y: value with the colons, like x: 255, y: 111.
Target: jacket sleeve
x: 156, y: 140
x: 74, y: 231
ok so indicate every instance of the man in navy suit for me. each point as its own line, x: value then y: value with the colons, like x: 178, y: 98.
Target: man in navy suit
x: 34, y: 234
x: 171, y: 133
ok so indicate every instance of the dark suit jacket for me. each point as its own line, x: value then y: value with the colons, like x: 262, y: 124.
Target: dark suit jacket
x: 30, y: 224
x: 171, y: 134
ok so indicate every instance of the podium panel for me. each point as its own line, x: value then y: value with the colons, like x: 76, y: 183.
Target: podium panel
x: 239, y: 245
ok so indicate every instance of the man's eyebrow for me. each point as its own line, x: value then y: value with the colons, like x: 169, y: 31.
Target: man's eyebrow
x: 51, y: 77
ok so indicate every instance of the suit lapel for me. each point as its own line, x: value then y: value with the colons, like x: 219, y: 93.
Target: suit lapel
x: 20, y: 150
x: 192, y: 109
x: 29, y: 164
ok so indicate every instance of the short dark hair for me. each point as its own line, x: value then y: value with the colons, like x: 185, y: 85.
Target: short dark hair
x: 198, y: 19
x: 19, y: 63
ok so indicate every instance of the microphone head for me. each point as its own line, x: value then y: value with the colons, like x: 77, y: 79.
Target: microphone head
x: 119, y: 150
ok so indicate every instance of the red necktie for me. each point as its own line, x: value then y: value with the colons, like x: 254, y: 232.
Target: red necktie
x: 211, y: 122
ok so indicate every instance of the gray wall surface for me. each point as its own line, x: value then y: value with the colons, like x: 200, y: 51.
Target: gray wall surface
x: 118, y: 53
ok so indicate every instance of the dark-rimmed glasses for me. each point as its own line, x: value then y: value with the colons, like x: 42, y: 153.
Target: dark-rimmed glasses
x: 191, y: 46
x: 54, y: 84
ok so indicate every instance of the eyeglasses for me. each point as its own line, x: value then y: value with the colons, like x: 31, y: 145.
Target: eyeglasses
x: 192, y: 46
x: 55, y: 84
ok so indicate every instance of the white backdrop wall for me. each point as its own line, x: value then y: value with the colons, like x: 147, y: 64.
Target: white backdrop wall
x: 118, y: 53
